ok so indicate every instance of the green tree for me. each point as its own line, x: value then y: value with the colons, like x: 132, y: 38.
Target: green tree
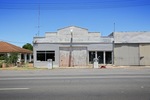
x: 28, y: 46
x: 12, y: 59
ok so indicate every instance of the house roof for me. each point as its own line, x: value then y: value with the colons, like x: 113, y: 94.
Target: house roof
x: 10, y: 48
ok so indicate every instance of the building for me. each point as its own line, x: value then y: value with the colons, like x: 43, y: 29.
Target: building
x: 7, y: 48
x: 131, y: 48
x: 72, y: 46
x: 75, y: 46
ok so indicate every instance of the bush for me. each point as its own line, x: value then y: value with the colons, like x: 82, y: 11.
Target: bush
x: 10, y: 60
x: 1, y: 63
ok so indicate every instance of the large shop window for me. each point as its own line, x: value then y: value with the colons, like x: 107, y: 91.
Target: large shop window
x: 45, y: 55
x: 100, y: 55
x: 91, y: 56
x: 108, y: 57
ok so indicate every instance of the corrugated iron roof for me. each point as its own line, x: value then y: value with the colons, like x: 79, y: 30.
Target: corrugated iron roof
x: 10, y: 48
x: 132, y: 37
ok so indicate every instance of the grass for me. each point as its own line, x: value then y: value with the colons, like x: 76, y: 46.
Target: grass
x: 23, y: 67
x: 19, y: 68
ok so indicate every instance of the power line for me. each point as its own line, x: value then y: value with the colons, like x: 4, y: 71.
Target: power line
x: 76, y: 2
x: 75, y: 5
x: 13, y: 41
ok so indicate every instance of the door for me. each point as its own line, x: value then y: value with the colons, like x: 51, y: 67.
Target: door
x: 126, y: 54
x: 144, y: 54
x: 79, y: 56
x: 75, y: 56
x: 64, y: 57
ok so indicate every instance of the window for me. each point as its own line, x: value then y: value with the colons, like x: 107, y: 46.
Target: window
x: 100, y: 57
x: 45, y: 55
x: 108, y: 57
x: 91, y: 56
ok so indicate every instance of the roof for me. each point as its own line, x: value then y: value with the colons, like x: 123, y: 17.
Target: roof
x: 10, y: 48
x: 132, y: 37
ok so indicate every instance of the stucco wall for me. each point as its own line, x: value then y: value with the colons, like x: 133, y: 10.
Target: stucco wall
x: 92, y: 41
x: 56, y: 47
x: 126, y: 54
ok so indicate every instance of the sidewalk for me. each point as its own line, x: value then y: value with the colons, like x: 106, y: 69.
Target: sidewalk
x: 107, y: 67
x: 128, y: 66
x: 77, y: 67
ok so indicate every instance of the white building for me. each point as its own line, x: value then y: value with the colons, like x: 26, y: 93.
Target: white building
x: 75, y: 46
x: 72, y: 46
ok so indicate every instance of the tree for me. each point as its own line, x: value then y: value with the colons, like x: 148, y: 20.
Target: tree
x: 28, y: 46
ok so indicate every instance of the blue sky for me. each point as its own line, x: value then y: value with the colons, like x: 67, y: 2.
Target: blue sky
x: 19, y: 18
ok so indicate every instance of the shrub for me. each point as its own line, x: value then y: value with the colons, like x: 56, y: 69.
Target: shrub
x: 12, y: 59
x: 1, y: 63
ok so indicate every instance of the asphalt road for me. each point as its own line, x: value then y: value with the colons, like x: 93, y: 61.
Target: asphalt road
x: 76, y: 84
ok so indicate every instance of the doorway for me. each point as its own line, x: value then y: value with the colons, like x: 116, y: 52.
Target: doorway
x: 71, y: 57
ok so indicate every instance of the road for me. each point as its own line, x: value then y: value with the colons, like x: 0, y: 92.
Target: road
x: 76, y: 84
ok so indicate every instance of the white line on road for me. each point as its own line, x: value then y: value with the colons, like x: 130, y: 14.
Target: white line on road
x: 70, y: 77
x: 4, y: 89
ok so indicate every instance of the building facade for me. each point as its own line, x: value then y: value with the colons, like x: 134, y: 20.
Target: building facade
x: 75, y: 46
x: 72, y: 46
x: 131, y: 48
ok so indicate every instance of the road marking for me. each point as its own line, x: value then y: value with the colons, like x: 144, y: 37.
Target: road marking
x: 72, y: 77
x: 4, y: 89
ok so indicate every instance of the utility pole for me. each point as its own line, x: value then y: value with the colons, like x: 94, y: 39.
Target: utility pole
x: 114, y: 27
x: 70, y: 54
x: 113, y: 44
x: 38, y: 20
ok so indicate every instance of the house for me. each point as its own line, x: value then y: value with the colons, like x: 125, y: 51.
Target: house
x: 7, y: 48
x: 131, y: 48
x: 72, y: 46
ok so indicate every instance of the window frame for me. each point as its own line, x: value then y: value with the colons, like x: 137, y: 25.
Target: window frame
x: 45, y: 55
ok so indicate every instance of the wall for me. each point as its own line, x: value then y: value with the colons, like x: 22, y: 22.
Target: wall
x: 45, y: 47
x: 144, y: 54
x: 126, y: 54
x: 56, y: 47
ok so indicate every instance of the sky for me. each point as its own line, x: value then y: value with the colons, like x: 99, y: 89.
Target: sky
x: 19, y: 19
